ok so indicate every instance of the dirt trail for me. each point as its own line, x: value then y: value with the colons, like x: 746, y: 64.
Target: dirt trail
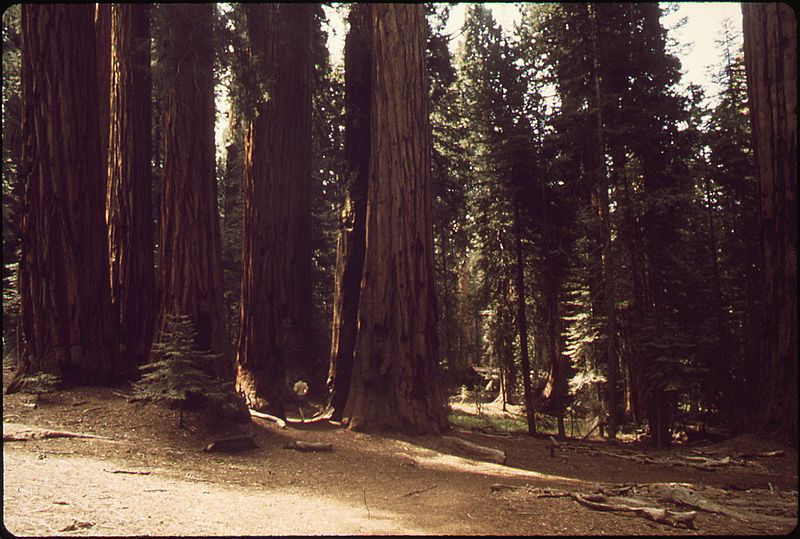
x: 368, y: 484
x: 44, y: 496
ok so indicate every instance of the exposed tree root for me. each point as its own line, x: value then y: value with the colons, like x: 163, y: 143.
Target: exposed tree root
x: 280, y: 422
x: 474, y: 450
x: 657, y: 514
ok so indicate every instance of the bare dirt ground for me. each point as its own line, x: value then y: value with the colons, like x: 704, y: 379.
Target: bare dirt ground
x: 148, y: 477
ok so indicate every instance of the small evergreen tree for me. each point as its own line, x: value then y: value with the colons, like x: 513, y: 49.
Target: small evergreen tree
x: 181, y: 375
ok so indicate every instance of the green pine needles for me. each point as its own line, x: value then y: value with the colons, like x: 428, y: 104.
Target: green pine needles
x: 181, y: 375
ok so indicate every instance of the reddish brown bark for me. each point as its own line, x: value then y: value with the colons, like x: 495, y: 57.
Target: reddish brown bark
x: 129, y: 201
x: 352, y: 234
x: 66, y: 309
x: 274, y: 329
x: 102, y: 29
x: 770, y: 46
x: 395, y: 381
x: 190, y: 270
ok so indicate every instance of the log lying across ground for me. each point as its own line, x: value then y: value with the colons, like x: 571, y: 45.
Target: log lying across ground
x: 231, y: 444
x: 474, y: 450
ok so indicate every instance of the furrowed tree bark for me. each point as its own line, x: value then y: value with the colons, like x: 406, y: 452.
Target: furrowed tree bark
x: 275, y: 323
x: 352, y: 234
x: 102, y: 29
x: 65, y: 301
x: 190, y: 264
x: 129, y: 200
x: 770, y: 47
x: 396, y: 379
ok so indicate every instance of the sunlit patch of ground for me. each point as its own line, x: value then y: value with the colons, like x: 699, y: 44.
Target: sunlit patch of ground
x: 45, y: 496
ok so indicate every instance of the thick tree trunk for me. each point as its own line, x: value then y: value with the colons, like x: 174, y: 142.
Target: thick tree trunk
x: 66, y: 305
x: 102, y: 29
x: 275, y: 325
x: 129, y: 211
x: 770, y: 45
x: 190, y: 264
x: 396, y: 379
x: 351, y: 243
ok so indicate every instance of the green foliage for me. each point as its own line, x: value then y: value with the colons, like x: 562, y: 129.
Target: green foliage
x: 489, y: 423
x: 181, y: 375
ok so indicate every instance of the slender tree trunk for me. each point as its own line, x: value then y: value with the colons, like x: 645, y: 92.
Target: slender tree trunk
x: 770, y: 46
x: 601, y: 193
x: 65, y: 300
x: 129, y: 200
x: 396, y: 379
x: 275, y: 324
x: 522, y: 324
x: 351, y: 243
x: 190, y: 262
x: 720, y: 386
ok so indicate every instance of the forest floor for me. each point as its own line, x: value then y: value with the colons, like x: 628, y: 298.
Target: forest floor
x: 145, y: 476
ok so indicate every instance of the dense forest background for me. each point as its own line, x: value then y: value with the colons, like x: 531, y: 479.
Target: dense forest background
x: 581, y: 227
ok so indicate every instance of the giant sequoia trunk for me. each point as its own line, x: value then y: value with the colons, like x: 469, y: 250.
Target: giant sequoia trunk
x: 129, y: 212
x: 770, y: 46
x: 275, y: 326
x: 102, y: 29
x: 66, y: 307
x: 190, y: 264
x: 352, y: 235
x: 395, y: 382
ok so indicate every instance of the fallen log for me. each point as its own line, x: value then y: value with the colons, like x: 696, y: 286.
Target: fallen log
x: 474, y: 450
x: 280, y: 422
x: 308, y: 446
x: 231, y: 444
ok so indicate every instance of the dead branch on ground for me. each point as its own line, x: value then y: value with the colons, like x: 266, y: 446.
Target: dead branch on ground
x: 308, y: 446
x: 420, y: 491
x: 24, y: 436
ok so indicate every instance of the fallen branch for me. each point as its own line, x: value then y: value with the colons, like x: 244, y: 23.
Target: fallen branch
x: 474, y: 450
x: 420, y: 491
x: 309, y: 446
x: 280, y: 422
x: 539, y: 492
x: 132, y: 472
x: 663, y: 516
x: 24, y: 436
x: 76, y: 525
